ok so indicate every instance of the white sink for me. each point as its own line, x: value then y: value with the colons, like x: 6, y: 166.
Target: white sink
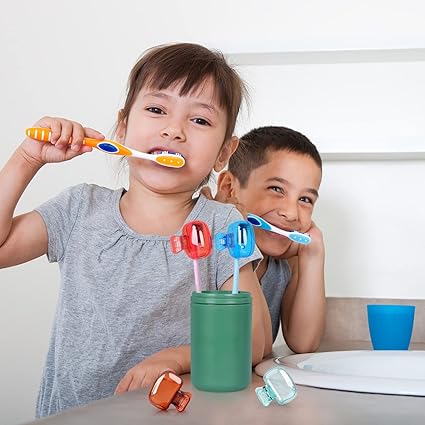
x: 384, y: 372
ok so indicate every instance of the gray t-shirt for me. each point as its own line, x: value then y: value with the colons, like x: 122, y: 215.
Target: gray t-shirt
x: 123, y: 295
x: 274, y: 282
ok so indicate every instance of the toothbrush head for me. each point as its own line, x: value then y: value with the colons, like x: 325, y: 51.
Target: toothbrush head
x: 301, y: 238
x: 168, y: 159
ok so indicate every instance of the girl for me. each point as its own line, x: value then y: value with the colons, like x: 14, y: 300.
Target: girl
x: 123, y: 310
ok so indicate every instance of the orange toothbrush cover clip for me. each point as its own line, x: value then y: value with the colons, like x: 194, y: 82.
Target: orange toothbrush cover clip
x: 166, y: 391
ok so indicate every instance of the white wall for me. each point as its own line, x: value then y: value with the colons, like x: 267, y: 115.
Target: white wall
x: 72, y: 59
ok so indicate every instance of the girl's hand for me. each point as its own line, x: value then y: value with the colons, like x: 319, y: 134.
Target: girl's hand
x: 66, y: 141
x: 146, y: 373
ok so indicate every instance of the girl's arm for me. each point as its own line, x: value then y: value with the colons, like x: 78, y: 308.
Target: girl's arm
x: 24, y: 237
x: 303, y: 310
x: 261, y: 321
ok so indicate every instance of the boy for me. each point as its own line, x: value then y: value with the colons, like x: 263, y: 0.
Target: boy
x: 276, y: 173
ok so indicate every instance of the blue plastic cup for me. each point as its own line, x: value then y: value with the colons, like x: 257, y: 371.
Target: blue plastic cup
x: 390, y: 326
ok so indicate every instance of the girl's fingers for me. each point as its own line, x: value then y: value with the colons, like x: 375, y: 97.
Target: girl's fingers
x: 68, y: 135
x: 65, y: 135
x: 136, y: 383
x: 90, y: 132
x: 77, y: 136
x: 123, y: 385
x: 56, y: 128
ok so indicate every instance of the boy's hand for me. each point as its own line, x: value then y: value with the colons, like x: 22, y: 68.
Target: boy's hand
x: 221, y: 196
x: 314, y: 248
x: 66, y: 141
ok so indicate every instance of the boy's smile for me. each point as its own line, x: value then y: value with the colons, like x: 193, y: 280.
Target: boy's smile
x: 283, y: 191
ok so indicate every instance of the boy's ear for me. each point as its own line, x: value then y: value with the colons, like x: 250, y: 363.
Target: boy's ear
x: 121, y: 127
x: 225, y: 153
x: 226, y: 184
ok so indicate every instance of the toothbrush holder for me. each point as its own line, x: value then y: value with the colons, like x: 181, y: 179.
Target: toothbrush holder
x: 221, y: 340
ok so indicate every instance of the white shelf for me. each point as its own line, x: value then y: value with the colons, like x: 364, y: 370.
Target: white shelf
x: 373, y: 156
x: 327, y: 57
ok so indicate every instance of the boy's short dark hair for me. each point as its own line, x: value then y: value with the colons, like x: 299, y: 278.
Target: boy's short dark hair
x: 256, y: 144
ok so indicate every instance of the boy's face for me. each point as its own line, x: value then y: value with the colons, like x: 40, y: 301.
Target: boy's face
x: 283, y: 191
x: 193, y: 125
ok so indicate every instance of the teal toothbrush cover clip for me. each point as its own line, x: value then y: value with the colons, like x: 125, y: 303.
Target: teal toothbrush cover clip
x: 279, y: 387
x: 239, y: 239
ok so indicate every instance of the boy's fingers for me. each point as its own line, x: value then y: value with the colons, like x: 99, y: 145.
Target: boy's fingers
x: 206, y: 191
x: 221, y: 196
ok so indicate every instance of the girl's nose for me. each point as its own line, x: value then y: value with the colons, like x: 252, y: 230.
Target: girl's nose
x: 173, y: 132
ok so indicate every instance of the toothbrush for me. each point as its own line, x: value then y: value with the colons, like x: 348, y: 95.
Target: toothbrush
x: 294, y: 236
x: 240, y: 241
x: 167, y: 159
x: 196, y: 242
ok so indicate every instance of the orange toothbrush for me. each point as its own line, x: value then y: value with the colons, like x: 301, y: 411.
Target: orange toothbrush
x: 167, y: 159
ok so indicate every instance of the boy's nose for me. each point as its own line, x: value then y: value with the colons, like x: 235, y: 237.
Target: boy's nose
x: 173, y: 133
x: 289, y: 212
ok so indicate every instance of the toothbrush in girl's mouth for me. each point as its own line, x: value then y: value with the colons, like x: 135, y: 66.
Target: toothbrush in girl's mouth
x: 301, y: 238
x: 165, y: 158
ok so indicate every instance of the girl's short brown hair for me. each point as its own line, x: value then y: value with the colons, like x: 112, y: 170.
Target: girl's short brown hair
x: 162, y: 66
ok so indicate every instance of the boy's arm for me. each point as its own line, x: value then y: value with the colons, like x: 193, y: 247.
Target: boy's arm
x: 261, y: 321
x: 303, y: 310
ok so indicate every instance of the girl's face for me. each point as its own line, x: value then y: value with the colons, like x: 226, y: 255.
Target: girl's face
x: 192, y: 125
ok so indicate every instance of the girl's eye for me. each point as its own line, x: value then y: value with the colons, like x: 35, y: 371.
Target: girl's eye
x: 200, y: 121
x: 276, y: 189
x: 306, y: 199
x: 155, y: 110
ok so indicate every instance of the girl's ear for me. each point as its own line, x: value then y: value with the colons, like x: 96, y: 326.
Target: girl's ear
x: 227, y: 184
x: 121, y: 127
x: 225, y: 153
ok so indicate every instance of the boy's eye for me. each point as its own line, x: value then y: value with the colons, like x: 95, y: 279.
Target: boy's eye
x: 155, y: 110
x: 200, y: 121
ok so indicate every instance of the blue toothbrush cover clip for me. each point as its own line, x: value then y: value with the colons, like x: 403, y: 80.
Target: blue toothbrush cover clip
x: 279, y: 387
x: 239, y: 239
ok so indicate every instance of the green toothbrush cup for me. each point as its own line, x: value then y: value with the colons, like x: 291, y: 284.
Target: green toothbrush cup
x: 221, y: 340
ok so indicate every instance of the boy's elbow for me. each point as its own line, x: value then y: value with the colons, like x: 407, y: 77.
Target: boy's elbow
x: 302, y: 347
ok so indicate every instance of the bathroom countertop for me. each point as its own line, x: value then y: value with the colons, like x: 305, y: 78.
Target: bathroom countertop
x: 312, y: 405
